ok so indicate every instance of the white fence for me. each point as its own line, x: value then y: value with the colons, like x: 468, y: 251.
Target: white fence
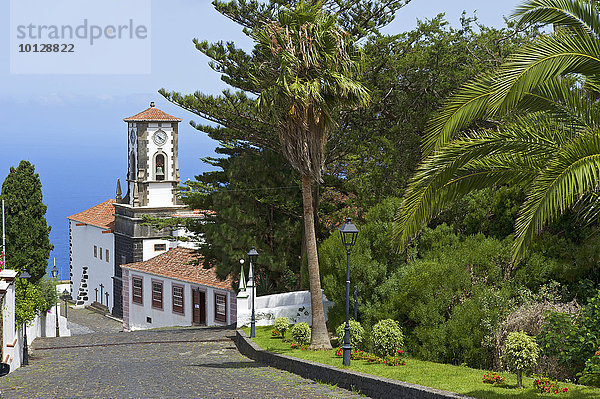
x: 44, y: 325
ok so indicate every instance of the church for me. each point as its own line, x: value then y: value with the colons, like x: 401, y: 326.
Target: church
x: 109, y: 236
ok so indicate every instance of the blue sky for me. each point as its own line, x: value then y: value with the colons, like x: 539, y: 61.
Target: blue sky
x: 71, y: 128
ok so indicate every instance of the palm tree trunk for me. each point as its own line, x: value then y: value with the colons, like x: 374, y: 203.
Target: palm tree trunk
x: 319, y: 336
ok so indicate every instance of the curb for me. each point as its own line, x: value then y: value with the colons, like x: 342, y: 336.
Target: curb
x: 370, y: 385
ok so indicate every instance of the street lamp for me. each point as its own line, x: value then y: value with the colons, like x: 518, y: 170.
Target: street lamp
x: 54, y: 272
x: 348, y: 232
x: 252, y: 255
x: 65, y: 296
x: 26, y: 276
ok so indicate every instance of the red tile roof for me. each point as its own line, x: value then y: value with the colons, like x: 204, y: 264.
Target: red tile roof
x: 176, y: 263
x: 152, y: 114
x: 101, y: 215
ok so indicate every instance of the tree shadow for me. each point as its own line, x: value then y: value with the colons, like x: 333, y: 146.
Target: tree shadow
x: 229, y: 365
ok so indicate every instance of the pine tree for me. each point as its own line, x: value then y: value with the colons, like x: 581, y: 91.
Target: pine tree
x: 27, y: 242
x: 255, y: 198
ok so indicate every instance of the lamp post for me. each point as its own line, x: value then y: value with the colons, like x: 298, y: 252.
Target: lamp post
x: 348, y: 233
x: 355, y: 304
x: 25, y: 276
x: 65, y: 297
x: 252, y: 255
x: 54, y: 272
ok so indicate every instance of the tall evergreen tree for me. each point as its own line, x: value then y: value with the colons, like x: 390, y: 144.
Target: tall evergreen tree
x: 27, y: 242
x: 255, y: 200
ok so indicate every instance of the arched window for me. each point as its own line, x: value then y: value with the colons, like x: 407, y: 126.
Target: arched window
x: 159, y: 161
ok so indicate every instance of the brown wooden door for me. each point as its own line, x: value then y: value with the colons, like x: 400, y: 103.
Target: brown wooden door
x: 198, y: 307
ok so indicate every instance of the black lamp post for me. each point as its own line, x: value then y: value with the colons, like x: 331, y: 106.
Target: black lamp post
x: 348, y: 232
x: 252, y: 255
x: 65, y: 296
x: 54, y: 272
x: 26, y: 276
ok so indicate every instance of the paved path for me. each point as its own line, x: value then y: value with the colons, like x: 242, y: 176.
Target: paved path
x: 83, y: 321
x: 170, y: 363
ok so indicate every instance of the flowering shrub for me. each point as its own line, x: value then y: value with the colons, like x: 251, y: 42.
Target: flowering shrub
x: 387, y: 338
x: 493, y: 378
x: 520, y: 353
x: 394, y: 361
x: 339, y: 352
x: 296, y: 345
x: 275, y: 333
x: 546, y: 385
x: 358, y: 355
x: 357, y: 333
x: 282, y: 324
x: 591, y: 372
x: 301, y: 333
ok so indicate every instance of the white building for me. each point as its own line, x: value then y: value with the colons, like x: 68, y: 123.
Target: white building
x: 170, y: 290
x: 115, y: 232
x: 92, y: 251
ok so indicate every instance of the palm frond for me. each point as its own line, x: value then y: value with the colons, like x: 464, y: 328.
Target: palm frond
x: 550, y: 56
x: 468, y: 104
x: 566, y: 102
x: 574, y: 171
x: 575, y: 14
x: 514, y: 154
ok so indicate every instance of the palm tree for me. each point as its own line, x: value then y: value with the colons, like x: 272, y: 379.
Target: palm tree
x: 534, y: 121
x: 309, y: 65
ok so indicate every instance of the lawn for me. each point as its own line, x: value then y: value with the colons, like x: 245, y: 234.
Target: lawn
x: 458, y: 379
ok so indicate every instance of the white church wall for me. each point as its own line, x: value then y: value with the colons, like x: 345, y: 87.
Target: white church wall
x: 293, y: 305
x: 148, y: 248
x: 160, y: 195
x: 100, y: 270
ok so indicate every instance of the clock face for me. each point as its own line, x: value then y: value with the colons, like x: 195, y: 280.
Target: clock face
x: 160, y: 137
x: 132, y: 136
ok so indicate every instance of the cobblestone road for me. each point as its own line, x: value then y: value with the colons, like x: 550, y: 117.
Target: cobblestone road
x: 171, y: 363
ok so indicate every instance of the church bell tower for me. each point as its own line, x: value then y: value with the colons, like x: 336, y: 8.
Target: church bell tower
x: 152, y: 181
x: 153, y: 171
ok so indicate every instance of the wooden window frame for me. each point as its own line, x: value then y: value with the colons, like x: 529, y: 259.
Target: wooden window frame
x: 106, y: 256
x: 164, y: 247
x: 95, y: 251
x: 220, y: 318
x: 141, y: 296
x: 100, y: 253
x: 182, y: 288
x: 162, y: 294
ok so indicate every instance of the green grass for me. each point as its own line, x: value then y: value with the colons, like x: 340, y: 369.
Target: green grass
x: 463, y: 380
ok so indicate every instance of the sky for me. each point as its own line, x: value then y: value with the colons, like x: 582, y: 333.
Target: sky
x: 71, y: 125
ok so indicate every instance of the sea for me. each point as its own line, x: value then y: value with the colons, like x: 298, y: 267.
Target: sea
x: 79, y: 150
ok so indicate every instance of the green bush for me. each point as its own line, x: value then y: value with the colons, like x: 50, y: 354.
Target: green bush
x: 357, y: 334
x: 591, y: 371
x: 573, y: 338
x: 387, y: 338
x: 520, y: 353
x: 301, y: 333
x: 282, y: 324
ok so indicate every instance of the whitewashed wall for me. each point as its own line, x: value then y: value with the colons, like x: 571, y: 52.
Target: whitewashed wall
x: 148, y: 251
x: 165, y: 317
x: 293, y: 305
x: 83, y: 239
